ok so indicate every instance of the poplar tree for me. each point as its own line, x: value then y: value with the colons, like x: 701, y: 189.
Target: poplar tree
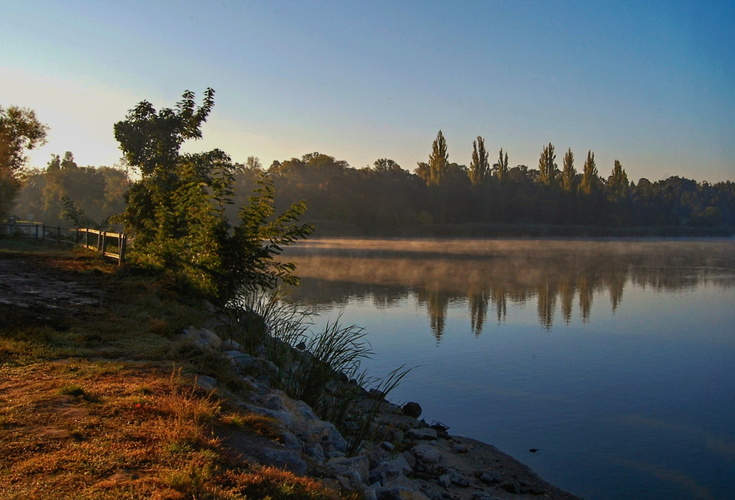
x: 617, y: 184
x: 569, y: 173
x: 438, y: 160
x: 479, y: 166
x: 502, y: 167
x: 547, y: 167
x: 590, y: 181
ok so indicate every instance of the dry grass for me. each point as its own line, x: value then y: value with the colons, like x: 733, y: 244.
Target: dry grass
x: 89, y: 411
x: 84, y: 429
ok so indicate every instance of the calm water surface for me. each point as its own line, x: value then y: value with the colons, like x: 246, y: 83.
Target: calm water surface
x: 615, y: 359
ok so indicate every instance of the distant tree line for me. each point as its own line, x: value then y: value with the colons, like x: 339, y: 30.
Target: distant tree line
x: 96, y: 191
x: 385, y: 198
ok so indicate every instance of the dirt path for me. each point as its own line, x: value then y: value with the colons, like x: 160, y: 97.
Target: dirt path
x: 42, y: 290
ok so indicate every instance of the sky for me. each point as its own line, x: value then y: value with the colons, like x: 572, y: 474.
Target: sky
x: 651, y: 84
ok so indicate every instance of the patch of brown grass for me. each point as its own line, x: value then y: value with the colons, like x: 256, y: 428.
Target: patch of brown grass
x: 252, y: 422
x: 83, y: 429
x: 277, y: 484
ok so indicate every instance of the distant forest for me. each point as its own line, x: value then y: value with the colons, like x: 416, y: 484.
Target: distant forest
x: 437, y: 198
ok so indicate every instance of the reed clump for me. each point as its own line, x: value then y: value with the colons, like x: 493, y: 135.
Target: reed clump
x: 323, y: 368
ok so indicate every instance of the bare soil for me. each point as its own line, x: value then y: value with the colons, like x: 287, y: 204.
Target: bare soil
x: 39, y: 289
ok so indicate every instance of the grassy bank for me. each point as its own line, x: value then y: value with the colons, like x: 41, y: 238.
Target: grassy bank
x: 98, y: 398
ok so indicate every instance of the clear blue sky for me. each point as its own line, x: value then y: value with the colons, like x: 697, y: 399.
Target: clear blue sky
x: 651, y: 84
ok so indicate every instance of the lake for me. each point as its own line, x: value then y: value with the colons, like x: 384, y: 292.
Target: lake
x: 614, y: 360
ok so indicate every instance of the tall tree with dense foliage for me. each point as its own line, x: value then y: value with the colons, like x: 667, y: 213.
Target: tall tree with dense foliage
x: 547, y: 166
x: 438, y: 160
x: 502, y: 167
x: 618, y: 195
x: 618, y: 186
x: 177, y: 208
x: 568, y: 174
x: 590, y: 179
x: 20, y: 131
x: 479, y: 166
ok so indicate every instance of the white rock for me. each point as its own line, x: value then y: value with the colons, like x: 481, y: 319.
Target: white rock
x: 285, y: 418
x: 358, y: 464
x: 422, y: 433
x: 353, y: 468
x: 202, y: 337
x: 390, y: 470
x: 369, y: 494
x: 426, y: 454
x: 240, y: 359
x: 290, y: 441
x: 205, y: 382
x: 315, y: 451
x: 276, y: 401
x: 231, y: 345
x: 445, y: 480
x: 303, y: 410
x: 409, y: 458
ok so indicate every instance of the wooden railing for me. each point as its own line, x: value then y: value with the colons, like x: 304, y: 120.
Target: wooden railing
x: 109, y: 244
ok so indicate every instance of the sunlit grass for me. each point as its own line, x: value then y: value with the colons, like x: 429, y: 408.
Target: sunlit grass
x: 92, y: 430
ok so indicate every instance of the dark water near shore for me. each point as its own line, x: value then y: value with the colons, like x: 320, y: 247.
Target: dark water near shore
x: 614, y: 359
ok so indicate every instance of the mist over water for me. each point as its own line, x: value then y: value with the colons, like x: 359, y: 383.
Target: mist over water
x: 557, y: 275
x: 613, y: 358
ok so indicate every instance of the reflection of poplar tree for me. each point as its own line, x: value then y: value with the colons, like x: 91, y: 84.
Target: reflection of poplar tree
x: 437, y: 302
x: 500, y: 299
x: 585, y: 298
x: 385, y: 299
x: 478, y: 300
x: 616, y: 284
x: 546, y: 305
x: 567, y: 298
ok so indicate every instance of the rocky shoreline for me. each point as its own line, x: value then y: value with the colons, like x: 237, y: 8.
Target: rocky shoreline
x: 409, y: 460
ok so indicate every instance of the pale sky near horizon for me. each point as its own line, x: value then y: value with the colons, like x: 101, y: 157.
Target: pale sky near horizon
x: 651, y: 83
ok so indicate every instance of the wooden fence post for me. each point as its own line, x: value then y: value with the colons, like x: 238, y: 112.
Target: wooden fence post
x: 122, y: 243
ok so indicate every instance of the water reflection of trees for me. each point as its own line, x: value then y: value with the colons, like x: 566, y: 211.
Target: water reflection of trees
x: 436, y: 301
x: 487, y: 284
